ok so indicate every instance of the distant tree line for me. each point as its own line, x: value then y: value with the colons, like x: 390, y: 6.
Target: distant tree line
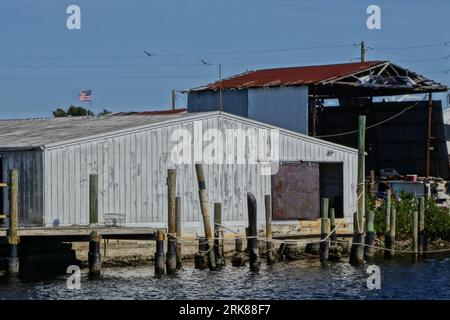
x: 74, y: 111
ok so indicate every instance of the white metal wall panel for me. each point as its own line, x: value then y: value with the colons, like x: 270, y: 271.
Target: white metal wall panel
x: 132, y: 170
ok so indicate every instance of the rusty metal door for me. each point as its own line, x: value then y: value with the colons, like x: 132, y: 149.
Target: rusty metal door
x: 296, y: 191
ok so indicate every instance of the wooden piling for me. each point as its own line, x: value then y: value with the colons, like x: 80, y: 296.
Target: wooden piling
x: 171, y: 255
x: 159, y: 254
x: 421, y: 229
x: 239, y: 258
x: 369, y: 250
x: 13, y: 230
x: 252, y: 241
x: 204, y: 207
x: 94, y: 256
x: 218, y: 235
x: 415, y: 235
x: 390, y: 244
x: 201, y: 257
x: 178, y: 231
x: 357, y: 251
x: 333, y: 228
x: 93, y: 199
x: 324, y: 244
x: 270, y: 254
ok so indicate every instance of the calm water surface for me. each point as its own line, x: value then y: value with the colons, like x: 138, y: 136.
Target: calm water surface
x: 400, y: 279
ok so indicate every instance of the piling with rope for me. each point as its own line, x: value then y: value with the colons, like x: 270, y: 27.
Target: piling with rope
x: 252, y: 233
x: 369, y: 250
x: 239, y: 258
x: 324, y: 244
x: 13, y: 228
x: 204, y: 207
x: 390, y: 245
x: 270, y: 253
x: 94, y: 255
x: 178, y: 231
x: 333, y: 236
x: 218, y: 236
x: 201, y: 257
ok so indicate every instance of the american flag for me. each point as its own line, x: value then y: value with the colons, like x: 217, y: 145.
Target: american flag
x: 85, y: 95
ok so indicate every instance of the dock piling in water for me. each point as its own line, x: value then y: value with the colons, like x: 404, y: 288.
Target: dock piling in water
x: 333, y: 229
x: 171, y: 255
x: 324, y: 244
x: 93, y: 199
x: 369, y: 250
x: 178, y: 231
x: 204, y: 207
x: 13, y: 233
x: 421, y: 228
x: 218, y: 235
x: 159, y: 254
x: 252, y: 240
x: 390, y: 241
x: 238, y: 259
x: 94, y: 256
x: 415, y: 235
x: 270, y: 254
x: 201, y: 257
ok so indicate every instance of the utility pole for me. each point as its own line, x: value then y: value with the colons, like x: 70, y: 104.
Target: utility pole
x: 430, y: 136
x: 174, y: 98
x: 220, y: 88
x: 363, y: 51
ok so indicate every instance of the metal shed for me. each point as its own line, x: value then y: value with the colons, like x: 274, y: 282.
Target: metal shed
x: 131, y: 155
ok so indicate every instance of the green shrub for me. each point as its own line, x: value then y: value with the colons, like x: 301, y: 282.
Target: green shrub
x: 437, y: 220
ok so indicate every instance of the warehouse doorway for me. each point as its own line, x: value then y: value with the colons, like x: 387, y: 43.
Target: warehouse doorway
x: 298, y: 187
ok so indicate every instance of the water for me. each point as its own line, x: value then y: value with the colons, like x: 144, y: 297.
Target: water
x: 400, y: 279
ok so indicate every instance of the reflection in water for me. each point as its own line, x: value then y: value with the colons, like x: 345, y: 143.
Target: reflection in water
x: 400, y: 279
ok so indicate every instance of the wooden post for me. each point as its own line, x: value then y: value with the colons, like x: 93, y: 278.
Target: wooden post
x: 238, y: 259
x: 369, y: 250
x: 93, y: 199
x: 421, y: 225
x: 204, y: 206
x: 178, y: 231
x: 218, y: 234
x: 324, y: 244
x: 270, y: 255
x: 357, y: 251
x: 159, y: 254
x: 252, y: 241
x: 391, y: 239
x: 13, y: 231
x: 415, y: 235
x: 333, y: 229
x: 94, y: 256
x: 388, y: 211
x: 372, y: 181
x: 171, y: 255
x: 200, y: 259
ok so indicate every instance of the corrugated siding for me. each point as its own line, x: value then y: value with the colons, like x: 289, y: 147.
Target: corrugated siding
x: 233, y: 101
x: 29, y: 163
x: 285, y: 107
x: 132, y: 176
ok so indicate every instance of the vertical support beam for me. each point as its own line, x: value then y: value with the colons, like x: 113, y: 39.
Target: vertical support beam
x: 159, y: 254
x: 252, y: 241
x: 363, y: 51
x: 357, y: 251
x: 369, y: 250
x: 178, y: 231
x: 429, y: 134
x: 204, y: 207
x: 270, y: 255
x: 324, y: 244
x: 218, y: 234
x: 333, y: 236
x: 388, y: 211
x: 13, y: 231
x: 171, y: 255
x: 93, y: 199
x: 200, y: 259
x: 174, y: 99
x: 94, y: 256
x: 239, y: 258
x: 415, y: 236
x: 391, y: 244
x: 421, y: 230
x: 372, y: 181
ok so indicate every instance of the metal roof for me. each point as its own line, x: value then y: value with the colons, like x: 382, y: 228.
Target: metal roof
x: 360, y: 79
x: 289, y: 76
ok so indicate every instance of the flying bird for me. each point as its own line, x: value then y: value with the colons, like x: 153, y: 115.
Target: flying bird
x: 148, y: 53
x: 205, y: 63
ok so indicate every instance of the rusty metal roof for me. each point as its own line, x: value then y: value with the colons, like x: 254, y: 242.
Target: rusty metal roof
x: 292, y: 76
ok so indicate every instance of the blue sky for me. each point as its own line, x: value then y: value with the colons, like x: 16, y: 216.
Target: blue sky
x: 43, y: 65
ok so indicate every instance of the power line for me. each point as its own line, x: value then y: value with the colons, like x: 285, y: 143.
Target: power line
x: 433, y: 45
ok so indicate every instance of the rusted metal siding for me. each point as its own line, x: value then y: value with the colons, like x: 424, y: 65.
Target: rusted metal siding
x: 132, y: 170
x: 30, y: 166
x: 296, y: 191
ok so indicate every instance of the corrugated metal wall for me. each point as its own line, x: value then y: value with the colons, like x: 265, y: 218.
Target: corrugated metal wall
x: 233, y: 101
x: 132, y: 171
x: 285, y: 107
x: 30, y: 164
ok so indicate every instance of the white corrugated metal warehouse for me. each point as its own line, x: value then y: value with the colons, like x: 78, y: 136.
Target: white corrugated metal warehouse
x: 131, y: 155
